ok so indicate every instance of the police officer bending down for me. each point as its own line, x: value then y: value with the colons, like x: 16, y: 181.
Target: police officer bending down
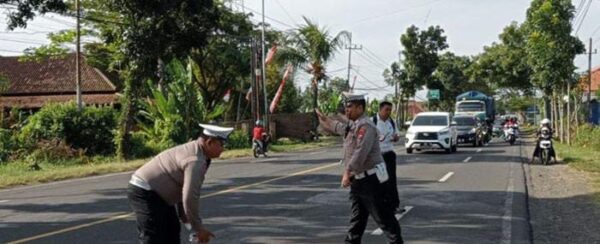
x: 365, y: 171
x: 167, y: 189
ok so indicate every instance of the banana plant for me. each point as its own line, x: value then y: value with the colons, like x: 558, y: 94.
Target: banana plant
x: 170, y: 114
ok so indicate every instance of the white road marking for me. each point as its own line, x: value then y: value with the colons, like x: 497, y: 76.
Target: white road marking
x: 467, y: 160
x: 263, y: 160
x: 479, y: 150
x: 3, y: 201
x: 379, y: 231
x: 507, y: 218
x: 446, y: 177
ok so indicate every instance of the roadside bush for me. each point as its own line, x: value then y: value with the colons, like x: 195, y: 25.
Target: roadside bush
x: 238, y: 139
x: 7, y: 144
x: 90, y: 130
x: 588, y: 137
x: 140, y: 147
x: 54, y: 151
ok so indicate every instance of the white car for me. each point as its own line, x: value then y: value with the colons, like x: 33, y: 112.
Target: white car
x: 432, y: 130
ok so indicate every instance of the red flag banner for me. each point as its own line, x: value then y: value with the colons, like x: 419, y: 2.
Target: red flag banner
x: 275, y: 101
x: 249, y: 94
x: 271, y: 54
x: 227, y: 95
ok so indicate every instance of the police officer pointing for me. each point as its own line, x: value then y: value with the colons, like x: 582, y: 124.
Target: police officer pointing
x: 364, y: 171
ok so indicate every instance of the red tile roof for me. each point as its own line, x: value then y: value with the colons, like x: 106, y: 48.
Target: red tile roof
x: 51, y: 76
x: 595, y: 80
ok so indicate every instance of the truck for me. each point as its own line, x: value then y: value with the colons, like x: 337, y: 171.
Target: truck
x: 476, y: 103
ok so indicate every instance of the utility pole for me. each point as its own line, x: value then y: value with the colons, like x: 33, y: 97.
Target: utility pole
x: 262, y: 64
x: 589, y: 96
x: 77, y: 54
x: 350, y: 47
x: 568, y: 113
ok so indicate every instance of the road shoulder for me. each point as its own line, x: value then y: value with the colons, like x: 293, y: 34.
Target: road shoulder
x: 561, y: 204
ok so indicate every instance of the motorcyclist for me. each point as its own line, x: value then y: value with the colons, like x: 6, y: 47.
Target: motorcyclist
x: 507, y: 125
x: 544, y: 124
x: 260, y: 136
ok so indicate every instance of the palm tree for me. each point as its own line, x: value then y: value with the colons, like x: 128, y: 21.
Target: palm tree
x: 310, y: 48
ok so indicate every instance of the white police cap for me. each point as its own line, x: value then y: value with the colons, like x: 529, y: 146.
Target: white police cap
x: 350, y: 97
x: 216, y: 131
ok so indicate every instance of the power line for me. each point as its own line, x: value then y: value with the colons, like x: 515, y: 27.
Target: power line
x: 23, y: 41
x: 595, y: 30
x: 9, y: 51
x: 267, y: 17
x: 27, y: 33
x: 62, y: 22
x: 390, y: 13
x: 370, y: 60
x: 285, y: 11
x: 367, y: 79
x: 587, y: 8
x: 578, y: 10
x: 373, y: 60
x: 375, y: 55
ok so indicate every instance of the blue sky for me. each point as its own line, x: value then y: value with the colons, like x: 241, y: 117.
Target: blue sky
x: 376, y: 25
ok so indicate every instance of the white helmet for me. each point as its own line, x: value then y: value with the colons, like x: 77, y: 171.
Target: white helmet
x: 259, y: 122
x: 545, y: 121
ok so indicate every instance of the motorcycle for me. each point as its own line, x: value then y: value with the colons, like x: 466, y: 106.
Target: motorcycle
x: 510, y: 134
x: 258, y: 147
x: 546, y: 149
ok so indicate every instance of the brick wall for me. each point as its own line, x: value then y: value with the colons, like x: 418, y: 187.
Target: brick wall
x: 282, y: 125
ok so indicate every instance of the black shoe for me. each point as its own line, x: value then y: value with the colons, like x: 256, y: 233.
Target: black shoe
x: 399, y: 210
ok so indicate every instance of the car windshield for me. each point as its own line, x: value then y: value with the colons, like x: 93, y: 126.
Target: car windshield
x: 470, y: 107
x: 465, y: 121
x: 429, y: 120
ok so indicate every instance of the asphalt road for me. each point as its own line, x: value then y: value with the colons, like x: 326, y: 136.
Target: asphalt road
x: 477, y: 195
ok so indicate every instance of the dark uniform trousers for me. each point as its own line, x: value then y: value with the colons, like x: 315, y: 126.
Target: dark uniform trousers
x: 391, y: 183
x: 367, y: 197
x: 157, y: 221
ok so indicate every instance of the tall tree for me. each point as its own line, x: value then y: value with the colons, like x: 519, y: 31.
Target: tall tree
x: 152, y: 33
x: 421, y: 50
x: 26, y: 10
x: 502, y: 65
x: 310, y: 48
x: 550, y: 46
x: 451, y: 75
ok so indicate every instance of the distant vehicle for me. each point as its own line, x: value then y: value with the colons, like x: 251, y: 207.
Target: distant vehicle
x: 470, y: 130
x: 476, y: 103
x: 432, y: 130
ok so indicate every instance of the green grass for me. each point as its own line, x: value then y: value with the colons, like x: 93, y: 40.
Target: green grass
x: 19, y: 173
x: 584, y: 159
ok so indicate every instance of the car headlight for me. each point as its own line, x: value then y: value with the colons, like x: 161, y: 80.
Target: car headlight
x: 473, y: 130
x: 444, y: 132
x: 410, y: 135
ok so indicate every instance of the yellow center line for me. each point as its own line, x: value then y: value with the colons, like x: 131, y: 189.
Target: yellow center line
x: 123, y: 215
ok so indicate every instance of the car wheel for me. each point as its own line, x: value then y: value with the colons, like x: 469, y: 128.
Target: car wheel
x: 449, y: 150
x: 409, y: 150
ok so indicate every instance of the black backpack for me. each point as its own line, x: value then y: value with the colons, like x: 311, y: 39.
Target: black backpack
x: 391, y: 120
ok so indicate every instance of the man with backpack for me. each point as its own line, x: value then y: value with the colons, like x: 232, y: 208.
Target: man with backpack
x: 388, y: 134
